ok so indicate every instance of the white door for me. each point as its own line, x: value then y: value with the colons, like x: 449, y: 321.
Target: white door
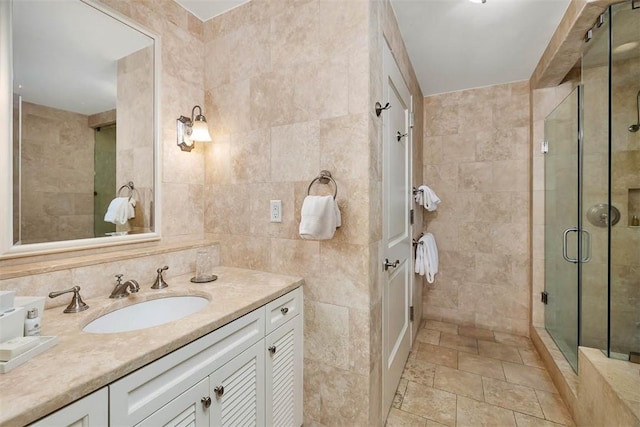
x: 397, y: 197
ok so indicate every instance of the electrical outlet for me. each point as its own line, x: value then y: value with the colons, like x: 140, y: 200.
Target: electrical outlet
x: 275, y: 210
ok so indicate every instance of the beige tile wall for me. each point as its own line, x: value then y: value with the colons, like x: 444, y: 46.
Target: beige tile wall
x: 477, y: 159
x: 289, y: 91
x: 285, y: 98
x: 56, y: 175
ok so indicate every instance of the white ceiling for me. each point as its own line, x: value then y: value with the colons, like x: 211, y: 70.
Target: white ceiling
x: 207, y: 9
x: 456, y: 44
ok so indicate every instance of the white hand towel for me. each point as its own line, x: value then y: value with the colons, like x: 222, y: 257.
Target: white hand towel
x: 320, y: 218
x: 418, y: 197
x: 431, y: 256
x: 117, y: 211
x: 427, y: 257
x: 430, y: 199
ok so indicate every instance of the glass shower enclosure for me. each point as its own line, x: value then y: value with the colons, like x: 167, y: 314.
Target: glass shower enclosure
x: 592, y: 196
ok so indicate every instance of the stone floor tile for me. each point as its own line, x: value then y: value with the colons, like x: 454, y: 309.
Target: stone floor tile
x: 458, y: 382
x: 499, y: 351
x: 459, y: 342
x: 531, y: 357
x: 480, y: 365
x: 429, y: 336
x: 450, y: 328
x: 483, y: 334
x: 554, y: 408
x: 472, y: 413
x: 511, y: 396
x: 419, y: 371
x: 402, y: 388
x: 431, y: 403
x: 438, y: 355
x: 513, y: 340
x: 399, y: 418
x: 523, y: 420
x: 528, y: 376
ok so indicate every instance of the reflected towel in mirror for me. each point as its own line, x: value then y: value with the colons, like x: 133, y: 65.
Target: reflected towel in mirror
x: 120, y: 210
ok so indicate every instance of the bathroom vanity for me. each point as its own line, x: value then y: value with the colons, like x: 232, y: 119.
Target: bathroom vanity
x: 236, y: 361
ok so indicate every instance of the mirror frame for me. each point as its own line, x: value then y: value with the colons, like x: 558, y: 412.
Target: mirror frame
x: 7, y: 248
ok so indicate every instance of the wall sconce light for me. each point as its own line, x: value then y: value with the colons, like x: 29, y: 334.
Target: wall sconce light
x: 192, y: 129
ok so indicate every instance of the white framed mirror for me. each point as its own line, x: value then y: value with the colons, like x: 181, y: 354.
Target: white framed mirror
x: 79, y: 118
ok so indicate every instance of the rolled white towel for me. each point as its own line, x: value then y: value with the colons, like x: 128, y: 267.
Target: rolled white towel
x: 320, y: 217
x: 430, y: 199
x: 431, y: 256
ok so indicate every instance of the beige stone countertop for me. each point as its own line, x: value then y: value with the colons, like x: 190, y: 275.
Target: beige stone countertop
x: 81, y: 362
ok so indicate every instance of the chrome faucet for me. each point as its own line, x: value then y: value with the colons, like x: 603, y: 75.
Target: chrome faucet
x: 120, y: 291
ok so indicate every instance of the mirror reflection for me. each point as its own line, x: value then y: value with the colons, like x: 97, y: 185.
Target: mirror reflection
x: 83, y: 121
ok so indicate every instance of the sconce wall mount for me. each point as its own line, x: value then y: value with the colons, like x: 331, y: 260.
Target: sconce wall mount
x: 192, y: 129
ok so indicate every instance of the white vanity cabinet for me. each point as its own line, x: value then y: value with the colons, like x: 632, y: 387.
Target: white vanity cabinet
x: 90, y: 411
x: 248, y: 372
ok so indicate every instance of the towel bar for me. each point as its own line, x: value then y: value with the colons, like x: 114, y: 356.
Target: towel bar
x: 416, y: 191
x: 324, y: 178
x: 417, y: 242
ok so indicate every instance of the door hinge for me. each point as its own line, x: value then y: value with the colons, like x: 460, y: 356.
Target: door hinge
x: 544, y: 297
x: 411, y: 212
x: 411, y: 313
x: 545, y: 147
x: 412, y: 119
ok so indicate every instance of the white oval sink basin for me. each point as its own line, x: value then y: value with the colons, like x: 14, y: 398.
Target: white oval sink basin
x: 146, y: 314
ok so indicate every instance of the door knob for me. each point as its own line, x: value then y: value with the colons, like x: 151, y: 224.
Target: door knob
x: 206, y: 402
x: 388, y: 264
x: 272, y: 349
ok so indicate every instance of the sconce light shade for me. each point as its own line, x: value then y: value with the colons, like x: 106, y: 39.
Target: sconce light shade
x: 200, y: 131
x: 192, y: 129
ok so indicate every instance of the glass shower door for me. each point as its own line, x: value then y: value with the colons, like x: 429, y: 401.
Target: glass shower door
x: 561, y: 226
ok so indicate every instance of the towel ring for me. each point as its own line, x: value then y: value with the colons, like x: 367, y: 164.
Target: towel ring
x: 128, y: 185
x: 324, y: 178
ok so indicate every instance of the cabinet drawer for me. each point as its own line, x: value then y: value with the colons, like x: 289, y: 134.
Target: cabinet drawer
x: 284, y: 308
x: 139, y: 394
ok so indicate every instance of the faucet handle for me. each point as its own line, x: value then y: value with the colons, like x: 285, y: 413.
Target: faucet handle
x: 160, y: 282
x: 119, y: 278
x: 76, y: 305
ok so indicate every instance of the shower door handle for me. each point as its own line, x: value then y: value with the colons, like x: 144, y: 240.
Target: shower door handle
x: 586, y: 246
x: 564, y: 245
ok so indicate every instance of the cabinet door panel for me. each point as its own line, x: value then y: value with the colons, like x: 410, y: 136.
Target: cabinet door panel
x: 90, y: 411
x: 284, y: 374
x: 141, y: 393
x: 185, y: 410
x: 237, y: 390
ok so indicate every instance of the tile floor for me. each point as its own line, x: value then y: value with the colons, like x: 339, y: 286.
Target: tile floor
x: 462, y: 376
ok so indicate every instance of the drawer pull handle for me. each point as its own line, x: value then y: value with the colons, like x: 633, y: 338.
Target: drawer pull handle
x: 219, y: 391
x: 284, y: 310
x: 272, y: 349
x: 206, y: 402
